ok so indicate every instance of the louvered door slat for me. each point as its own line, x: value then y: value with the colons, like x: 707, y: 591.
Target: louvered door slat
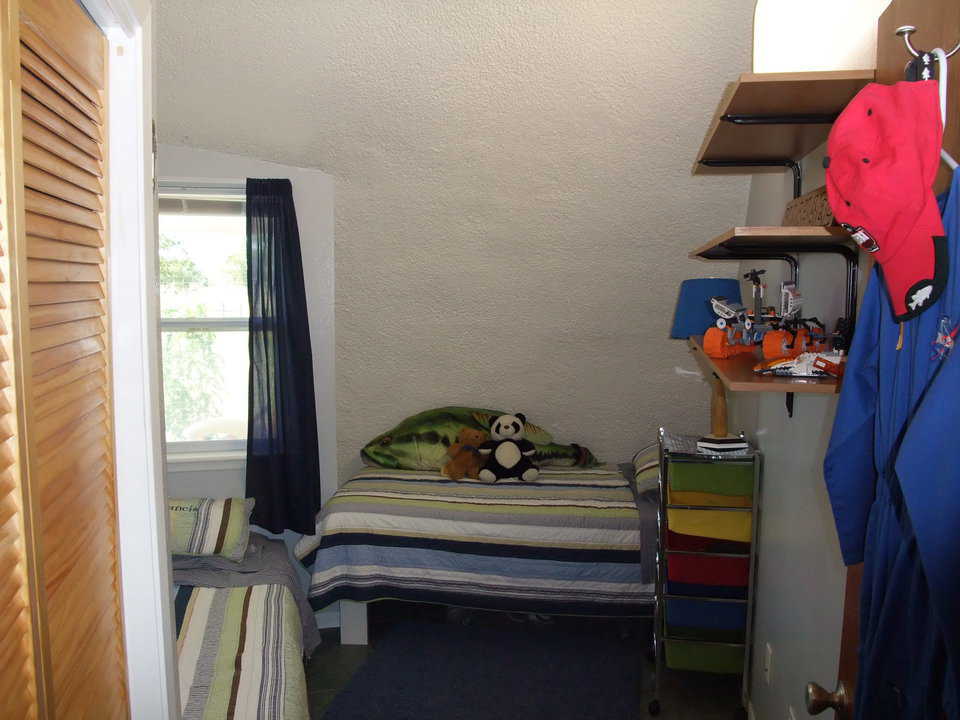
x: 44, y: 249
x: 44, y: 315
x: 66, y: 548
x: 50, y: 184
x: 50, y: 99
x: 32, y: 62
x: 44, y: 204
x: 49, y: 445
x: 79, y: 388
x: 90, y: 619
x: 8, y: 511
x: 59, y: 355
x: 7, y: 431
x: 56, y: 271
x: 48, y: 130
x: 65, y: 333
x: 52, y: 229
x: 88, y: 614
x: 9, y: 634
x: 50, y: 293
x: 53, y: 423
x: 16, y: 698
x: 55, y: 379
x: 71, y: 491
x: 8, y: 593
x: 35, y: 42
x: 70, y: 566
x: 45, y: 160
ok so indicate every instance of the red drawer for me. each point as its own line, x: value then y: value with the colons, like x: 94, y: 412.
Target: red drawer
x: 701, y: 570
x: 693, y: 543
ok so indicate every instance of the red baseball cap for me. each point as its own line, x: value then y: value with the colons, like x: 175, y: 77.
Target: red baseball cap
x: 882, y: 159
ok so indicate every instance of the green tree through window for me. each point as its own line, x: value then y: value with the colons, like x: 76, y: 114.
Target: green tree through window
x: 192, y: 383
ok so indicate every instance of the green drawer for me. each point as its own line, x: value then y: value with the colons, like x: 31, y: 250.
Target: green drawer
x: 722, y: 478
x: 708, y: 634
x: 704, y: 657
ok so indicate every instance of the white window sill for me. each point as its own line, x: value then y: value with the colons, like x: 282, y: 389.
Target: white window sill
x: 202, y: 461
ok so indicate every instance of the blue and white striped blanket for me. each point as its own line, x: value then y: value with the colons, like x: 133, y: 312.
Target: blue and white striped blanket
x: 568, y: 543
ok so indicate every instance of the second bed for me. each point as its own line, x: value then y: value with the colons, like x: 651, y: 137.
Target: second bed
x: 575, y: 542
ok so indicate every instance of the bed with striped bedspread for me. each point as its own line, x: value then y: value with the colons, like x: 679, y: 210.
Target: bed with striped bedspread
x: 568, y: 543
x: 240, y: 654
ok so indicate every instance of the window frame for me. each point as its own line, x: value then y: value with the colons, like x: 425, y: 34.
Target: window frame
x: 207, y: 191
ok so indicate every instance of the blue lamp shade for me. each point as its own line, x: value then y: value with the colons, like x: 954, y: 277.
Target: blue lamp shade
x: 693, y: 314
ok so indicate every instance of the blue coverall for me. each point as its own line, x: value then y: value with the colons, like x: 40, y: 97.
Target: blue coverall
x: 893, y: 474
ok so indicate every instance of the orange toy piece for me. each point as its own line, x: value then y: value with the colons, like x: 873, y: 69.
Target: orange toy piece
x: 717, y: 346
x: 465, y: 459
x: 775, y: 345
x: 830, y: 368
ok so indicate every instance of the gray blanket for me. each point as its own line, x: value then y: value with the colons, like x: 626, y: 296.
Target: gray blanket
x: 266, y: 562
x: 648, y: 504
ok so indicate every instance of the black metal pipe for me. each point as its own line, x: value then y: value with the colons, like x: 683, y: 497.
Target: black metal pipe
x: 809, y: 119
x: 761, y: 255
x: 793, y: 165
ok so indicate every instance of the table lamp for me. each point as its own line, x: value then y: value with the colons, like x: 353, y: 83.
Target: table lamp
x: 693, y: 315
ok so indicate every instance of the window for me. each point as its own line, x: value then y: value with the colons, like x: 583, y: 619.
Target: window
x: 203, y: 318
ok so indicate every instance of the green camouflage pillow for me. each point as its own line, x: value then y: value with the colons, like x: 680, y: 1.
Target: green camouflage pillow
x: 420, y: 441
x: 205, y: 526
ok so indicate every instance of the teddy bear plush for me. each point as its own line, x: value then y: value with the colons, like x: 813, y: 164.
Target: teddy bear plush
x: 508, y: 453
x: 465, y: 459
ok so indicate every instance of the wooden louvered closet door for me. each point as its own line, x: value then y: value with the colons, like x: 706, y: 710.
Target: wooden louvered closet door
x: 55, y: 76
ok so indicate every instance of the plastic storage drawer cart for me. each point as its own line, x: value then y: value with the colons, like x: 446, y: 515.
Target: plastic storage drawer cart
x: 706, y: 558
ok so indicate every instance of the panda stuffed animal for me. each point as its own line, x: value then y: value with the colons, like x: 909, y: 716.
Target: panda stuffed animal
x: 508, y: 453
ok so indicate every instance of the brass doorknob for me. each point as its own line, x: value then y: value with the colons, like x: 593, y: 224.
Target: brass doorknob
x: 820, y: 699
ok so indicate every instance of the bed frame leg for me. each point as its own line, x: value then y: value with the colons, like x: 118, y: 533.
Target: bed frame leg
x: 353, y: 623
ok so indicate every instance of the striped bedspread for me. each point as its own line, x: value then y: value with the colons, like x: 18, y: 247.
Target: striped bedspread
x: 568, y: 543
x: 239, y: 654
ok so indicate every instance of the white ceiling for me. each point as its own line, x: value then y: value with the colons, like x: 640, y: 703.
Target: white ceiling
x: 513, y: 177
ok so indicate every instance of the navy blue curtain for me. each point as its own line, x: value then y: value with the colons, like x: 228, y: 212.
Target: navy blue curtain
x: 283, y: 465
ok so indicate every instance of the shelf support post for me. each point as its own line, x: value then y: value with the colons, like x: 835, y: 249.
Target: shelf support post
x: 718, y: 407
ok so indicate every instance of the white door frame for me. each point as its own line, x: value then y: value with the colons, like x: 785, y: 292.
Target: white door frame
x: 146, y: 581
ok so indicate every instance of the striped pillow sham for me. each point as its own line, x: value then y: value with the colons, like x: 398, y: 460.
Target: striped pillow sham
x: 208, y: 526
x: 646, y: 465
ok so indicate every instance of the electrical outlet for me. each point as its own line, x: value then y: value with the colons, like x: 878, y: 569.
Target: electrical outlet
x: 767, y: 663
x: 791, y: 715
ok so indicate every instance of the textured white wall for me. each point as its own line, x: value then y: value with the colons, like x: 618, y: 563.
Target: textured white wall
x: 514, y: 198
x: 800, y: 579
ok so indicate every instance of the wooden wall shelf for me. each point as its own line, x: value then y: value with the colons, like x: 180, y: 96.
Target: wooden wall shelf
x: 776, y: 113
x: 737, y: 241
x: 737, y: 374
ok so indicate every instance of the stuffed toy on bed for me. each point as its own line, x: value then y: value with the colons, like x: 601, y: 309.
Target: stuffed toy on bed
x: 465, y: 458
x: 508, y: 454
x: 421, y: 441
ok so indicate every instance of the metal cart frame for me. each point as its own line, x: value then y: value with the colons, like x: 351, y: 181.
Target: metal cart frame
x: 659, y: 621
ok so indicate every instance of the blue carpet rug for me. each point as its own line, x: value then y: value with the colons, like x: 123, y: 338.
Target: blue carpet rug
x: 442, y: 671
